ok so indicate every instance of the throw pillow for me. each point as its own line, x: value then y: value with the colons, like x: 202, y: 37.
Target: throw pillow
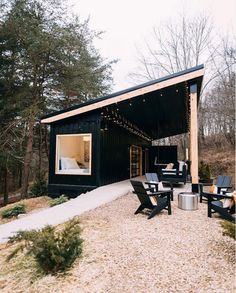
x: 169, y: 166
x: 233, y: 201
x: 153, y: 200
x: 213, y: 189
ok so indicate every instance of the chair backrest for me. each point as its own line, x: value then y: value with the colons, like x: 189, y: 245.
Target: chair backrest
x: 141, y: 192
x: 227, y: 181
x: 223, y: 181
x: 219, y: 180
x: 152, y: 177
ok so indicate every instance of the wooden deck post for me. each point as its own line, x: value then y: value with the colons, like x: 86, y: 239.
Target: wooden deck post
x: 193, y: 134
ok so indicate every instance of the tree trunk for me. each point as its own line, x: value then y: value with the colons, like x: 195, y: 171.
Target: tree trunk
x: 40, y: 149
x: 46, y: 141
x: 6, y: 186
x: 20, y: 176
x: 28, y: 158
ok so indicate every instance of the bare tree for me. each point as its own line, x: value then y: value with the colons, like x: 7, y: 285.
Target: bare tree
x: 175, y: 47
x: 187, y: 43
x: 218, y: 108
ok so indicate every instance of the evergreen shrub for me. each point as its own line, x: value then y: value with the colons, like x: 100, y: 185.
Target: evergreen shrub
x: 54, y: 251
x: 13, y: 211
x: 59, y: 200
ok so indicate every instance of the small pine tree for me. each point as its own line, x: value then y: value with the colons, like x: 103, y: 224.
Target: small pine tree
x: 204, y: 171
x: 54, y: 251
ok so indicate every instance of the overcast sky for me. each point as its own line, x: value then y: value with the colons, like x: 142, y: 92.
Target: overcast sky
x: 127, y: 23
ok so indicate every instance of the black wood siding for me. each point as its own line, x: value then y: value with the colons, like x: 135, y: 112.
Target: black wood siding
x: 89, y: 123
x: 115, y: 153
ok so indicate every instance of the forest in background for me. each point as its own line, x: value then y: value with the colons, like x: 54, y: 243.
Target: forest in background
x: 48, y: 62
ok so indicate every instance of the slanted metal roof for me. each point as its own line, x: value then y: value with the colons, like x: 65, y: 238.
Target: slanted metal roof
x: 160, y: 108
x: 188, y: 76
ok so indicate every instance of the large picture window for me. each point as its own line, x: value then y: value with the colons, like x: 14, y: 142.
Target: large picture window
x: 73, y: 154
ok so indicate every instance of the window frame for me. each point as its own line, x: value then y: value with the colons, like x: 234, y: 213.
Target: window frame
x: 60, y: 172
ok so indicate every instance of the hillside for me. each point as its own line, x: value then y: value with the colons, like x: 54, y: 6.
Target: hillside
x: 221, y: 161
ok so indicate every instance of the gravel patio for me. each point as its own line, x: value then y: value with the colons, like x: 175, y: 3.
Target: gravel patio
x: 123, y: 252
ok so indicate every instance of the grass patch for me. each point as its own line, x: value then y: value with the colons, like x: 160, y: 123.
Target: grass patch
x: 31, y: 204
x: 229, y: 229
x: 59, y: 200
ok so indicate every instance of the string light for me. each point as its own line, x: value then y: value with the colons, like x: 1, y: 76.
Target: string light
x: 121, y: 121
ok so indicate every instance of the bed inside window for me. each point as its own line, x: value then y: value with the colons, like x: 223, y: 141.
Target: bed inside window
x: 73, y: 154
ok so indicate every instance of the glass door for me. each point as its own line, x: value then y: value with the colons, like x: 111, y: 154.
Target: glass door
x: 135, y: 161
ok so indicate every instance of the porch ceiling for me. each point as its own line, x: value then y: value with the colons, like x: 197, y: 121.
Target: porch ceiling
x: 160, y: 113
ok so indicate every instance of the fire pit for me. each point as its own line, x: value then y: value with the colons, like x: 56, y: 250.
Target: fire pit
x: 188, y: 201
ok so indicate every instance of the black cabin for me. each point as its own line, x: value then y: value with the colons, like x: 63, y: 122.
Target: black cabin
x: 109, y: 139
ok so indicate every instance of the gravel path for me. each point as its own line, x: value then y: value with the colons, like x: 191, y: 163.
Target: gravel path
x: 123, y: 252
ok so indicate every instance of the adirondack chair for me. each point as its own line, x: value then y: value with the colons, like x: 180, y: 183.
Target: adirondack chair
x: 154, y: 202
x: 217, y: 206
x: 153, y: 182
x: 223, y: 184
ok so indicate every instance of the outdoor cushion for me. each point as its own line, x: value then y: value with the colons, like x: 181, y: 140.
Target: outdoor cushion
x: 226, y: 202
x: 153, y: 200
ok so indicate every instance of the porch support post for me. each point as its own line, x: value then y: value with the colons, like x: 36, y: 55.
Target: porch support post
x: 193, y: 134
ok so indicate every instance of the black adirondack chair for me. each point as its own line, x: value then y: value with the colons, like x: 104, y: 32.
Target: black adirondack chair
x: 216, y: 206
x: 153, y: 182
x: 162, y: 199
x: 223, y: 184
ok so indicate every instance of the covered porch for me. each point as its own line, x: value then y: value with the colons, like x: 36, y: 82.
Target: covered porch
x: 123, y: 123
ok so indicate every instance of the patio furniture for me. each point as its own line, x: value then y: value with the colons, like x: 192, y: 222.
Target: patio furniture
x: 223, y: 184
x: 227, y: 211
x: 178, y: 175
x: 154, y: 202
x: 153, y: 182
x: 188, y: 201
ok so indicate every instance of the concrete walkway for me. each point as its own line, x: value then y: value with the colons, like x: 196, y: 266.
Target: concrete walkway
x: 61, y: 213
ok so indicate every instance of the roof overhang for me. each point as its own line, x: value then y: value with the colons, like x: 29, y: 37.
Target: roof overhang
x: 156, y: 92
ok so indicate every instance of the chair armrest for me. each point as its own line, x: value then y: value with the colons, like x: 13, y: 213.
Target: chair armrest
x: 223, y: 187
x: 150, y: 189
x: 216, y: 195
x: 164, y: 193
